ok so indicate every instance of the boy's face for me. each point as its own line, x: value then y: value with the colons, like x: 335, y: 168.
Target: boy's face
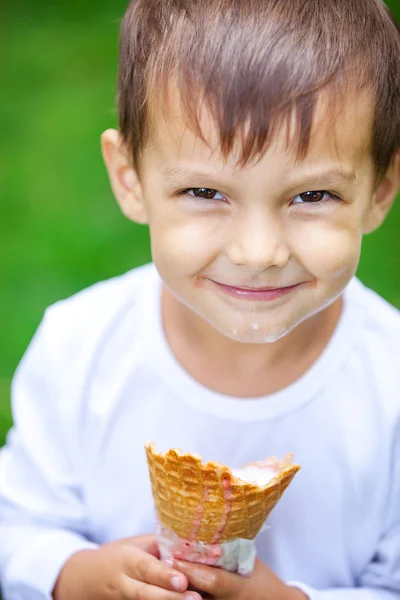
x: 251, y: 250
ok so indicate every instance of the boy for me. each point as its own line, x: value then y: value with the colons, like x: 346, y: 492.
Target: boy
x: 259, y: 140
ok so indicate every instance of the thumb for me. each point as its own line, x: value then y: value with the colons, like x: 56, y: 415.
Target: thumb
x: 147, y: 543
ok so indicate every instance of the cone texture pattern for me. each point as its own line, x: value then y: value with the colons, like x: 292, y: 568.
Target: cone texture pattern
x: 206, y: 502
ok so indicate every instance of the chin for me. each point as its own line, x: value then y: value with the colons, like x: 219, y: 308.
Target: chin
x: 253, y: 333
x: 258, y: 329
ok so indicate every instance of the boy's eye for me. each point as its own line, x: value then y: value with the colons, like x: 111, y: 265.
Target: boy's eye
x: 313, y: 197
x: 204, y: 194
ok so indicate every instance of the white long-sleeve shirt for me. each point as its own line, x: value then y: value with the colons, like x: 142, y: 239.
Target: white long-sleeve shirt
x: 99, y: 380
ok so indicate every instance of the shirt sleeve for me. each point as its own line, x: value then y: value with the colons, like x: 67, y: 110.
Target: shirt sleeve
x: 42, y: 513
x: 380, y: 579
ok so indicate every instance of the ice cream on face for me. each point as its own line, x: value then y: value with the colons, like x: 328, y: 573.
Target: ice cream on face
x: 210, y: 514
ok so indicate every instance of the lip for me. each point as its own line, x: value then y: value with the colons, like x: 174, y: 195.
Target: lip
x: 255, y: 294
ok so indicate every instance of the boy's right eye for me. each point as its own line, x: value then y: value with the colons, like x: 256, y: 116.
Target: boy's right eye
x: 203, y: 194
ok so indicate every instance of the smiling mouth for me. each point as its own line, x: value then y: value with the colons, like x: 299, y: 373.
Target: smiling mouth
x: 258, y: 293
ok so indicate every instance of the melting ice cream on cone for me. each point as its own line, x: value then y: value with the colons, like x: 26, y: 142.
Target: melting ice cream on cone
x: 210, y: 514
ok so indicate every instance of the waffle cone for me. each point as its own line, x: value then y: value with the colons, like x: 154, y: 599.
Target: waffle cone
x: 206, y: 502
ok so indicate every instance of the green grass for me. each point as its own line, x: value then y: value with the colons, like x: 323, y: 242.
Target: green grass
x: 60, y: 229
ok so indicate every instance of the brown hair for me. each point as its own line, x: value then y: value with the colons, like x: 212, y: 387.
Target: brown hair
x: 254, y: 63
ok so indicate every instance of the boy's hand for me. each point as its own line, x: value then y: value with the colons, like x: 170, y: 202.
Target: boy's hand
x: 216, y: 583
x: 125, y: 570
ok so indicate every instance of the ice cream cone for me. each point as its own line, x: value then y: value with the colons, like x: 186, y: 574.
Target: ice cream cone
x: 206, y: 503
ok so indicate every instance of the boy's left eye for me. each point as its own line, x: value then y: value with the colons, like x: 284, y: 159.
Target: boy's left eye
x: 313, y: 197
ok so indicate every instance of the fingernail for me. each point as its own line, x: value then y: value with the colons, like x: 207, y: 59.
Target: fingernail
x: 191, y: 596
x: 177, y: 582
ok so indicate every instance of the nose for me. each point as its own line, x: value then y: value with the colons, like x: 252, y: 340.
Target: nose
x: 258, y: 243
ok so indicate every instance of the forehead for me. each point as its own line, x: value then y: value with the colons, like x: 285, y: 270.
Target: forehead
x: 341, y: 133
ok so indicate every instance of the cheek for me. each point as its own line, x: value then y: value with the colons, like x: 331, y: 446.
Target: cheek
x: 329, y: 252
x: 184, y: 245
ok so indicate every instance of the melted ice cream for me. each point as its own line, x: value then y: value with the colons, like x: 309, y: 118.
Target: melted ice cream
x: 255, y: 474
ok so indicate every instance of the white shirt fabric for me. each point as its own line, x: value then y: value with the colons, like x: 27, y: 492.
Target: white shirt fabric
x: 99, y: 380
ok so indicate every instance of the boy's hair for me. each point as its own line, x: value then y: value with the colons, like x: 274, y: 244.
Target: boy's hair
x: 256, y: 63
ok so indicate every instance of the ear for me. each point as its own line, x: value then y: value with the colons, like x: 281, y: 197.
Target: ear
x: 384, y: 196
x: 123, y: 177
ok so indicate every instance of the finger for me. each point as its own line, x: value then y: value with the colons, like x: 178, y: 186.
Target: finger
x: 148, y: 569
x: 202, y: 594
x: 211, y: 580
x: 147, y: 543
x: 133, y: 590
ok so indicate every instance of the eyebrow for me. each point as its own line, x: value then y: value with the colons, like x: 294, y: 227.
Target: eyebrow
x: 174, y: 174
x: 327, y: 177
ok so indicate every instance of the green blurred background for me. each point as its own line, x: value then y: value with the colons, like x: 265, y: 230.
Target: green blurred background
x: 60, y: 228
